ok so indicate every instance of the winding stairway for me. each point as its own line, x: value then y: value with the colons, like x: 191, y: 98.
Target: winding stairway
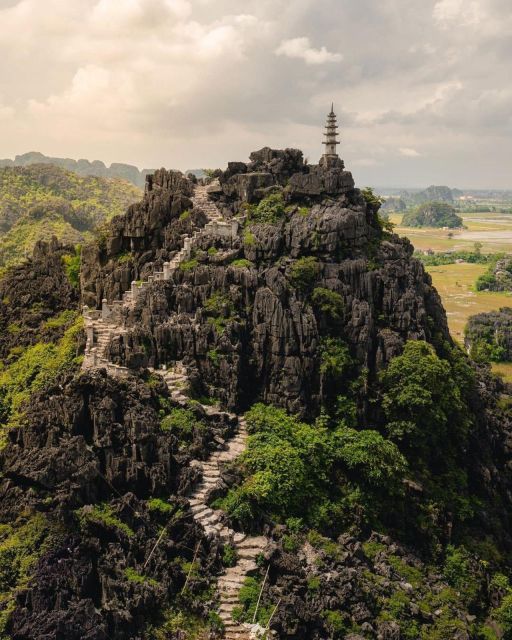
x: 101, y: 327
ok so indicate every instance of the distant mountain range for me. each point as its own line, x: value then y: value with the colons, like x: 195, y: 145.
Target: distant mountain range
x: 82, y: 167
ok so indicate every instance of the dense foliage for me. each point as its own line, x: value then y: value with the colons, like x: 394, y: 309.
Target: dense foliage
x: 35, y: 367
x: 441, y: 258
x: 352, y: 469
x: 432, y: 214
x: 489, y: 336
x: 41, y: 201
x: 498, y: 276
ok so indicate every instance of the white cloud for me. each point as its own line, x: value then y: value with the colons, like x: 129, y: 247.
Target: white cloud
x: 409, y: 152
x: 301, y: 48
x: 190, y: 83
x: 463, y: 12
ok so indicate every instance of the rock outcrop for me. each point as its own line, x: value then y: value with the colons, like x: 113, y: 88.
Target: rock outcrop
x: 33, y: 293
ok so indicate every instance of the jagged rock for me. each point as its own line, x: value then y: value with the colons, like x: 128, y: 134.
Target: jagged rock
x: 32, y: 293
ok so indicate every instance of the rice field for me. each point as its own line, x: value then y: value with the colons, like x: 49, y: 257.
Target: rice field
x: 456, y: 282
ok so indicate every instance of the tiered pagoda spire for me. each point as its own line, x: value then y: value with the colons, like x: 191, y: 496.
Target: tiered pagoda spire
x: 331, y: 135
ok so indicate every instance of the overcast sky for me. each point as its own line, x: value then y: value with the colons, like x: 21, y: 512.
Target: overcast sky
x: 421, y: 87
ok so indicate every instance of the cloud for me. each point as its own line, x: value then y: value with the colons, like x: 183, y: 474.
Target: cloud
x: 189, y: 83
x: 301, y: 48
x: 409, y: 152
x: 462, y: 12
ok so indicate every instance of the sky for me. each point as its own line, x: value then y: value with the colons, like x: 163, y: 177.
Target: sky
x: 421, y: 87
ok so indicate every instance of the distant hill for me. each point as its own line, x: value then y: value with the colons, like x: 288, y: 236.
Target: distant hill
x: 83, y: 167
x: 432, y: 214
x: 41, y: 201
x: 434, y: 193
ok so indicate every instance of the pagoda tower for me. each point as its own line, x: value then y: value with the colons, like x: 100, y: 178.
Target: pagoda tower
x: 330, y: 157
x: 331, y: 134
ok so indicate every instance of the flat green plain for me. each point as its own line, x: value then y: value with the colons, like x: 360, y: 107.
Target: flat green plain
x: 456, y: 282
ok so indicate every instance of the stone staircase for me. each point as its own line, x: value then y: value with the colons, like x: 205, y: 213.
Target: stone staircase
x: 109, y: 321
x: 101, y: 327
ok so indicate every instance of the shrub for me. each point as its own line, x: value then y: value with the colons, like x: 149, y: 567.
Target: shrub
x: 304, y: 272
x: 185, y: 215
x: 248, y: 598
x: 432, y: 214
x: 229, y: 556
x: 181, y: 422
x: 212, y: 251
x: 269, y: 210
x: 134, y: 576
x: 242, y: 263
x: 328, y: 302
x: 189, y: 265
x: 219, y: 304
x: 156, y: 504
x: 334, y: 358
x: 371, y: 198
x: 72, y: 266
x: 249, y: 239
x: 421, y: 399
x: 335, y: 623
x: 374, y: 459
x: 104, y: 514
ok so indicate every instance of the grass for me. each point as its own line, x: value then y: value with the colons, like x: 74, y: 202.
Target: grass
x: 455, y: 284
x: 493, y: 230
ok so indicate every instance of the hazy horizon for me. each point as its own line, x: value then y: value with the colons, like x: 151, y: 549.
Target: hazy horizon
x: 419, y: 87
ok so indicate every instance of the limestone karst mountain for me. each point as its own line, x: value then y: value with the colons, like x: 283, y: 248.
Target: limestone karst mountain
x: 264, y: 426
x: 41, y: 201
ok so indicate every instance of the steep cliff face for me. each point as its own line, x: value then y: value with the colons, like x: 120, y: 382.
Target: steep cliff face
x: 33, y: 293
x: 94, y: 483
x: 242, y: 315
x: 150, y: 233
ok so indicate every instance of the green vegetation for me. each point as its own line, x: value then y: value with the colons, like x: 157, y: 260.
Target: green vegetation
x: 269, y: 210
x: 220, y: 309
x: 189, y: 265
x: 248, y: 598
x: 451, y: 257
x: 351, y: 466
x: 161, y: 506
x: 229, y: 556
x: 432, y: 214
x: 498, y: 276
x: 242, y: 263
x: 183, y: 621
x: 489, y: 336
x: 304, y: 272
x: 425, y: 399
x: 134, y: 576
x: 22, y: 543
x: 249, y: 239
x: 371, y: 198
x: 334, y: 358
x: 328, y: 302
x: 72, y: 266
x: 185, y: 215
x: 64, y: 319
x: 103, y: 514
x: 37, y: 366
x: 38, y: 202
x: 183, y: 423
